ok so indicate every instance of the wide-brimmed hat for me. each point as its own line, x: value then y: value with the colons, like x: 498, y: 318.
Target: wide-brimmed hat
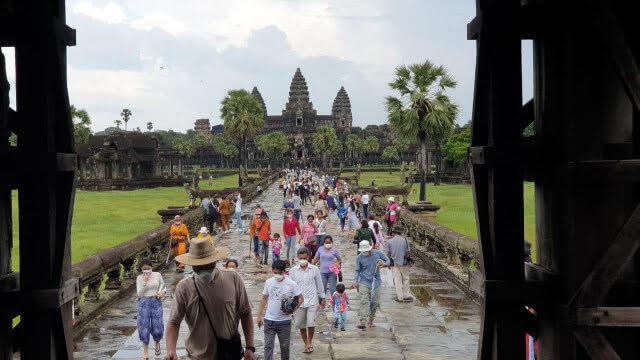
x: 365, y: 245
x: 391, y: 198
x: 204, y: 230
x: 397, y: 229
x: 202, y: 252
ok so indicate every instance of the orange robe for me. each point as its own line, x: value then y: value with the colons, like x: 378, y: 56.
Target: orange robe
x: 179, y: 233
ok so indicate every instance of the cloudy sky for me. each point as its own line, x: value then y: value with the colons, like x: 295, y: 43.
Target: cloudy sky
x: 171, y: 62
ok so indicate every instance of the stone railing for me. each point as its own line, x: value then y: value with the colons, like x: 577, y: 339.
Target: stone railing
x: 451, y: 254
x: 110, y: 274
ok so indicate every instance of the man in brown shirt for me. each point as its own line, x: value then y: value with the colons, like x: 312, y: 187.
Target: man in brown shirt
x: 225, y: 297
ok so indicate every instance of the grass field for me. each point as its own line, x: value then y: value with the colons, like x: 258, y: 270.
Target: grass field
x: 104, y: 219
x: 456, y: 201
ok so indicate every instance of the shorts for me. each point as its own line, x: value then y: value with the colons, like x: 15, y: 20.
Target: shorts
x: 305, y: 317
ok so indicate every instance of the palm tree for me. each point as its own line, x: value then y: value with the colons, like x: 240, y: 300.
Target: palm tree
x: 273, y: 145
x: 118, y: 122
x: 423, y: 109
x: 126, y: 114
x: 243, y: 118
x: 81, y: 122
x: 325, y: 142
x: 149, y: 126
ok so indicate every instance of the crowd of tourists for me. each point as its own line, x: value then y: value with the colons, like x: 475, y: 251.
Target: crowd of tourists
x: 306, y: 271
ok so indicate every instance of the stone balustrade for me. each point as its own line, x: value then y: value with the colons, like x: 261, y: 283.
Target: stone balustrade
x: 111, y: 273
x: 453, y: 255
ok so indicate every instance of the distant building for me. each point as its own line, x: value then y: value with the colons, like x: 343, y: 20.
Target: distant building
x: 202, y: 126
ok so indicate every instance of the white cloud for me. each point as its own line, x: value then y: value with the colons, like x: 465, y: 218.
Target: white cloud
x: 110, y: 13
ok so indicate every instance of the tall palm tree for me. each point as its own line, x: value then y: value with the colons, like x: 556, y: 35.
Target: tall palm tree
x: 243, y: 118
x: 423, y: 109
x: 325, y: 142
x: 126, y: 115
x: 149, y: 126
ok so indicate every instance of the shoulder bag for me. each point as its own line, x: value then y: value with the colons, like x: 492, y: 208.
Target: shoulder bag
x: 407, y: 256
x: 227, y: 349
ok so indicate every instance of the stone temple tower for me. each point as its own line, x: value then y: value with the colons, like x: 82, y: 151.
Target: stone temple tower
x: 299, y: 110
x: 256, y: 94
x: 341, y: 110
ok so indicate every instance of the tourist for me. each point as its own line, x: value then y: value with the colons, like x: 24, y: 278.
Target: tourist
x: 352, y: 217
x: 308, y: 278
x: 278, y: 289
x: 291, y: 227
x: 264, y: 234
x: 238, y: 211
x: 378, y: 236
x: 308, y: 235
x: 231, y: 265
x: 364, y: 233
x: 342, y: 216
x: 302, y: 192
x: 391, y: 215
x: 204, y: 233
x: 225, y: 212
x: 321, y: 224
x: 372, y: 221
x: 287, y: 205
x: 367, y: 281
x: 276, y: 247
x: 150, y: 289
x: 365, y: 204
x: 178, y: 237
x: 328, y: 257
x: 297, y: 201
x: 203, y: 301
x: 340, y: 303
x: 331, y: 202
x: 397, y: 248
x: 207, y: 207
x: 253, y: 233
x: 357, y: 201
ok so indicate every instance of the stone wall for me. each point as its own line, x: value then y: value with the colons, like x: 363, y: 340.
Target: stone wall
x: 452, y: 255
x: 109, y: 275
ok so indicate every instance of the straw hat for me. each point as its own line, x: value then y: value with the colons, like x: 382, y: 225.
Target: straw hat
x: 202, y: 252
x: 364, y: 246
x: 204, y: 230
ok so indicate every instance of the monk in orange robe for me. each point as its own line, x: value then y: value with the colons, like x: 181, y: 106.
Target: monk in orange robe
x: 179, y: 237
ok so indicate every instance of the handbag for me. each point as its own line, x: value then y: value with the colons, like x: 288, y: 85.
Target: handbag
x: 228, y: 349
x: 407, y: 257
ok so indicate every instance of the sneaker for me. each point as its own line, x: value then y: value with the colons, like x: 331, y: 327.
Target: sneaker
x: 342, y: 329
x: 335, y: 324
x: 408, y: 299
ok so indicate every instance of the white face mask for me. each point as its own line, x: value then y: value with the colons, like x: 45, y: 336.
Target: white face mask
x: 278, y: 277
x: 328, y: 246
x: 146, y: 271
x: 303, y: 262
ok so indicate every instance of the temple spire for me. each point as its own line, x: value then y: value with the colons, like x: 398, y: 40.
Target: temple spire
x: 256, y: 94
x: 298, y: 93
x: 341, y: 109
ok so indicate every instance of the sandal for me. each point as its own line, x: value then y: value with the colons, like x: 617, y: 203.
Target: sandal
x: 157, y: 349
x: 371, y: 324
x: 306, y: 350
x: 361, y: 327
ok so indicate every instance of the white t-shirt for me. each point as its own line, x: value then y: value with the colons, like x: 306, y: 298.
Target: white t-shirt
x: 278, y: 291
x: 365, y: 199
x: 238, y: 204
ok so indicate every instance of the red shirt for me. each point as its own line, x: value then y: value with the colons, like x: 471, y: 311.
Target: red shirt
x: 289, y: 227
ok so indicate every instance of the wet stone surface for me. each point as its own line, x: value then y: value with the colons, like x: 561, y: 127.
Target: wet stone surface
x: 441, y: 324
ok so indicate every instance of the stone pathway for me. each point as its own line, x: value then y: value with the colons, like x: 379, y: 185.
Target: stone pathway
x: 442, y: 324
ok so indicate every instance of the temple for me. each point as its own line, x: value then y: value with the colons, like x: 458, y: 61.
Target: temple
x: 299, y: 120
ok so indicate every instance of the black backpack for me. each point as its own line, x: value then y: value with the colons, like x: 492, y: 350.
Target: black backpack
x: 213, y: 212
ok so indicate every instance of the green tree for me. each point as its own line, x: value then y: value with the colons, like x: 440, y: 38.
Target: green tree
x: 325, y: 142
x: 422, y: 108
x: 390, y: 153
x: 126, y: 115
x: 273, y: 144
x: 243, y: 118
x: 456, y: 147
x: 223, y: 145
x: 149, y: 126
x: 118, y: 122
x: 81, y: 122
x: 370, y: 145
x: 185, y: 146
x: 352, y: 145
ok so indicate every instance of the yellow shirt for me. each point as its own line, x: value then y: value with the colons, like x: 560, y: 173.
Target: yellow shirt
x: 208, y: 237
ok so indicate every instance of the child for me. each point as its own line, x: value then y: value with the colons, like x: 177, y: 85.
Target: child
x: 231, y: 265
x: 276, y: 246
x: 342, y: 215
x: 340, y: 302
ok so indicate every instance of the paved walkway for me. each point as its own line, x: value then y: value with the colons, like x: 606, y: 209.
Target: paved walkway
x: 442, y: 324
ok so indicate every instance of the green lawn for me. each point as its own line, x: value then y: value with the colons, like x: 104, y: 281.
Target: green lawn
x: 104, y: 219
x: 456, y: 201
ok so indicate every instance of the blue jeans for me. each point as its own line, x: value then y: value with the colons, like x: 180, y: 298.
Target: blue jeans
x: 239, y: 220
x: 329, y: 281
x: 343, y: 222
x: 291, y: 247
x: 256, y: 246
x: 264, y: 249
x: 340, y: 318
x: 275, y: 256
x: 283, y: 330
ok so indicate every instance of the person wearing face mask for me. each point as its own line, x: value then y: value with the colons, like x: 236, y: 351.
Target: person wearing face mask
x: 212, y: 302
x: 308, y: 278
x: 328, y: 257
x: 150, y: 289
x: 277, y: 289
x: 367, y: 281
